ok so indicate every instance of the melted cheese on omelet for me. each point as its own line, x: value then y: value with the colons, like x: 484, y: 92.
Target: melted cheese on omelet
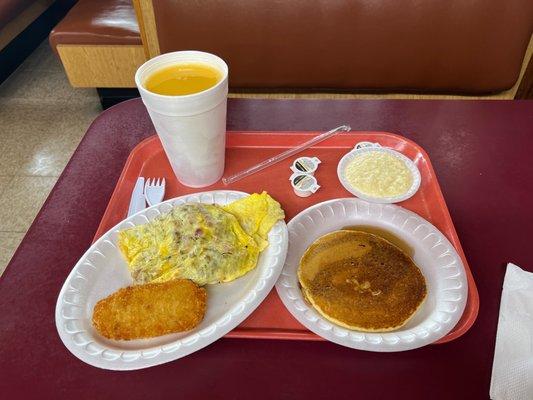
x: 202, y: 242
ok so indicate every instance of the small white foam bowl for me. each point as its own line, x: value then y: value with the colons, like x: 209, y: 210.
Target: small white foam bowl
x: 343, y: 164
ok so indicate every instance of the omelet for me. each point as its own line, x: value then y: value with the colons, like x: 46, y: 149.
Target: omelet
x: 257, y: 214
x: 205, y: 243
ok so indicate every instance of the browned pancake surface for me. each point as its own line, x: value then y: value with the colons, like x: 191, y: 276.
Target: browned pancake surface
x: 361, y: 281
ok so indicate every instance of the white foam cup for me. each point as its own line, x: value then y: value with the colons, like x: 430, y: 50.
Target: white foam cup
x: 192, y: 128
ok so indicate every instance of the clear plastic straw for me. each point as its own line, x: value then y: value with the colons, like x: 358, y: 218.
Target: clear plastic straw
x: 282, y: 156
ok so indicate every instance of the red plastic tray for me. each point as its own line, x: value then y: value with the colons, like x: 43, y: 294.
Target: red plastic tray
x: 271, y: 320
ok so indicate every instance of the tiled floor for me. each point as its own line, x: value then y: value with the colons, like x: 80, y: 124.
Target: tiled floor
x: 42, y: 120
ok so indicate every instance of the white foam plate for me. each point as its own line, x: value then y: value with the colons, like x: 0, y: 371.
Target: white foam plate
x: 348, y: 157
x: 433, y: 254
x: 102, y: 271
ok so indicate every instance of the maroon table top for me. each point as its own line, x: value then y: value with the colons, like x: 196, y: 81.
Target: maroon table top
x: 481, y: 151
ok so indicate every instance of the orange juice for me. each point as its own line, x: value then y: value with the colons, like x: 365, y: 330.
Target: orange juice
x: 182, y: 79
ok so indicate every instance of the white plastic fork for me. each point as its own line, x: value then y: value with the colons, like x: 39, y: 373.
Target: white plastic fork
x: 154, y: 191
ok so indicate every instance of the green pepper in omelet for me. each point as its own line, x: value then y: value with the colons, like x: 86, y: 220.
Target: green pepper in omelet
x: 205, y: 243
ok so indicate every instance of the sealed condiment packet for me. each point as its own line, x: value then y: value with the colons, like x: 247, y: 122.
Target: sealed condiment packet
x: 304, y: 185
x: 305, y: 165
x: 362, y: 145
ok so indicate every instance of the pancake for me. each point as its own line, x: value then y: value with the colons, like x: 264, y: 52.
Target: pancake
x: 361, y: 281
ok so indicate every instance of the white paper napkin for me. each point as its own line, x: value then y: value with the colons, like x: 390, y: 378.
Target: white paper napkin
x: 512, y: 370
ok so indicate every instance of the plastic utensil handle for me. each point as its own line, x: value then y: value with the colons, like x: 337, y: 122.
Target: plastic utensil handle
x: 282, y: 156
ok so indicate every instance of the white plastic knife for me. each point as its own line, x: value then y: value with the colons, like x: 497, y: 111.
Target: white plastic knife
x: 137, y: 202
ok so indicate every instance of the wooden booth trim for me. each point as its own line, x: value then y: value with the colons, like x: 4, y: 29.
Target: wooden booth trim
x: 102, y: 66
x: 144, y: 10
x: 524, y: 86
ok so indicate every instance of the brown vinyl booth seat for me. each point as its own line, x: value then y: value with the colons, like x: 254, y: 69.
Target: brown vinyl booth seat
x: 10, y: 9
x: 99, y: 43
x: 24, y: 24
x: 17, y: 15
x: 474, y: 48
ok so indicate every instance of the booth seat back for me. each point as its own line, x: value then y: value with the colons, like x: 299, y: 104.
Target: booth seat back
x: 453, y: 46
